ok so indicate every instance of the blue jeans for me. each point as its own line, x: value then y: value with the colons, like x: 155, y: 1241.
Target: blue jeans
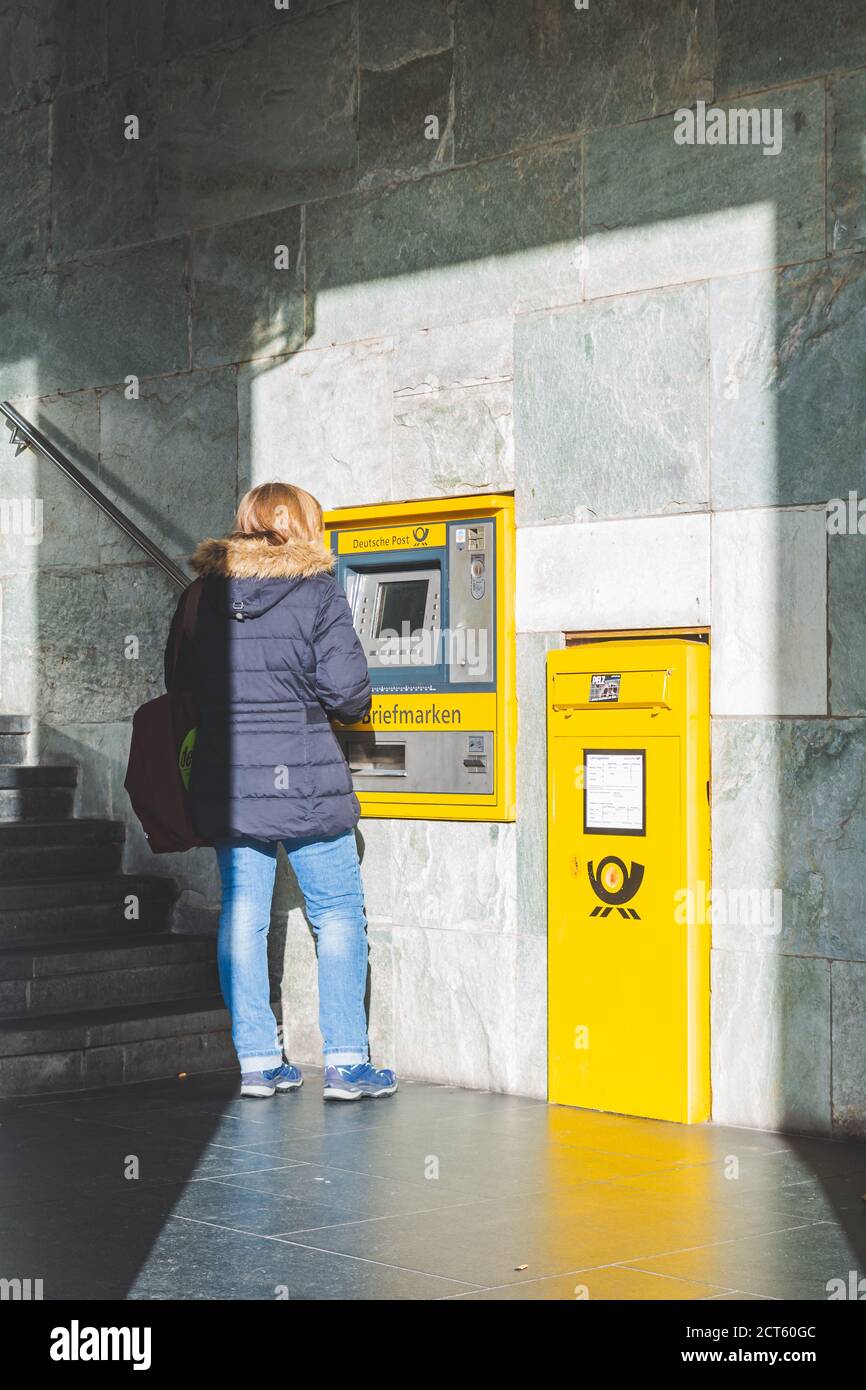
x: 329, y: 876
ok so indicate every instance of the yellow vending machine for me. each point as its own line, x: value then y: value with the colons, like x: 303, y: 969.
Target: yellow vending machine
x: 430, y: 583
x: 628, y: 876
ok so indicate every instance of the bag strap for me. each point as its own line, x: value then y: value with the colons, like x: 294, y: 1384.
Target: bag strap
x: 183, y: 626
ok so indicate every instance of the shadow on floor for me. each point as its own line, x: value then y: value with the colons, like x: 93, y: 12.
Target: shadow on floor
x: 435, y: 1193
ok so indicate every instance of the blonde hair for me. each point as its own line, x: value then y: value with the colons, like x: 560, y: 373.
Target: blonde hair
x: 279, y: 512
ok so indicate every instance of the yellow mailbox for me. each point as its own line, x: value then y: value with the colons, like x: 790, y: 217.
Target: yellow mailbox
x: 628, y: 858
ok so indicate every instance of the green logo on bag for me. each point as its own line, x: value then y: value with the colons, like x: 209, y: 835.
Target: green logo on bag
x: 184, y: 757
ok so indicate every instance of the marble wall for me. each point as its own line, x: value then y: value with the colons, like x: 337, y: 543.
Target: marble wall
x: 495, y: 268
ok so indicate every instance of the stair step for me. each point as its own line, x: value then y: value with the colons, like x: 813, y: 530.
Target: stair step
x: 103, y: 1027
x: 13, y: 748
x: 138, y: 970
x: 73, y: 832
x: 36, y: 803
x: 118, y: 1024
x: 96, y: 888
x: 105, y: 1047
x: 106, y: 952
x: 14, y: 723
x: 41, y: 775
x: 41, y: 911
x: 59, y: 848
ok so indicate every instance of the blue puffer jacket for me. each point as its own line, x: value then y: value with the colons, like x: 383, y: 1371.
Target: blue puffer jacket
x: 274, y: 656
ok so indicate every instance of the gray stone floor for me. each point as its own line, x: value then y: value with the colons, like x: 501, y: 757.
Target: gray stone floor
x: 435, y: 1194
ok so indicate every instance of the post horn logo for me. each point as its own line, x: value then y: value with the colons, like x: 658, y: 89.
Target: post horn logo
x: 615, y: 885
x: 421, y: 533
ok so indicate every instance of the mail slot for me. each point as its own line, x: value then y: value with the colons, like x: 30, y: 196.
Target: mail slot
x: 364, y: 755
x: 617, y: 689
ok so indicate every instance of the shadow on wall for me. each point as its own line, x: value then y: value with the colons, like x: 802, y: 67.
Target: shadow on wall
x: 644, y: 278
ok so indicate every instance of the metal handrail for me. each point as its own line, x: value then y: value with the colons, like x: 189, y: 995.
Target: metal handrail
x: 27, y: 436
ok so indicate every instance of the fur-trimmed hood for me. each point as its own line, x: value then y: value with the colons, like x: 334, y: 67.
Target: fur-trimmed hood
x: 250, y: 557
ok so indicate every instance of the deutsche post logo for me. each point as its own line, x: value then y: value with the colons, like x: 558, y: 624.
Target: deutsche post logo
x: 421, y: 533
x: 615, y: 885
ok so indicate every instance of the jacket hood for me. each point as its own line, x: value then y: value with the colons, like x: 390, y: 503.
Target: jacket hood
x: 249, y: 557
x: 256, y: 572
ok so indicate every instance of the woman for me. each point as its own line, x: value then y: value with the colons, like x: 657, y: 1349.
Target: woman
x: 274, y: 658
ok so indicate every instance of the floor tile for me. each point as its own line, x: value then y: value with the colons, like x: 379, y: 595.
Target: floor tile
x: 792, y: 1264
x: 197, y: 1262
x: 340, y: 1195
x: 500, y: 1242
x: 606, y: 1284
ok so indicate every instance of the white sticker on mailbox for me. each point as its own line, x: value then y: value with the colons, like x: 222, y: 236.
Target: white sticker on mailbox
x: 615, y: 791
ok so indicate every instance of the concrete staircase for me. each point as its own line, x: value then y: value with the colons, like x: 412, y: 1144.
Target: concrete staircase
x: 90, y: 995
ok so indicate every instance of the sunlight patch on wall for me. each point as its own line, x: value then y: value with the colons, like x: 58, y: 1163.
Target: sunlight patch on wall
x: 21, y: 527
